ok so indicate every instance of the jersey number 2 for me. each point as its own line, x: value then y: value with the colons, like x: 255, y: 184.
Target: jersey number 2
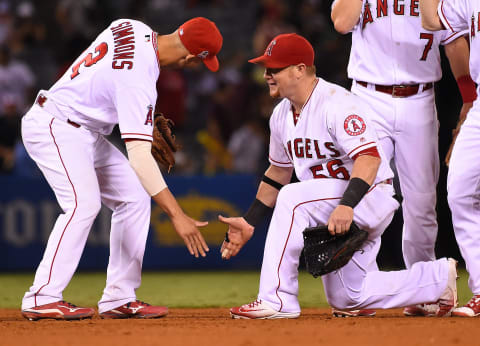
x: 428, y: 46
x: 89, y: 59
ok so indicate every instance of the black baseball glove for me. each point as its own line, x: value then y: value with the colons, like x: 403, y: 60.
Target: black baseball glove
x: 325, y: 253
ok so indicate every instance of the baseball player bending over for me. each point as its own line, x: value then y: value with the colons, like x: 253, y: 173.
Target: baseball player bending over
x: 394, y: 63
x: 464, y: 169
x: 112, y: 82
x: 323, y: 132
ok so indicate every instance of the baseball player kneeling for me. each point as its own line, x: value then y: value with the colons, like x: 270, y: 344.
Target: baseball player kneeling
x: 322, y: 131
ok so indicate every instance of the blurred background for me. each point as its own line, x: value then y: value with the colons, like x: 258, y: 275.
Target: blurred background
x: 221, y: 121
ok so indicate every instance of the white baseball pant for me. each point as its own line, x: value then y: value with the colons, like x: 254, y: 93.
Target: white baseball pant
x: 463, y: 187
x: 407, y: 129
x: 85, y: 170
x: 358, y: 284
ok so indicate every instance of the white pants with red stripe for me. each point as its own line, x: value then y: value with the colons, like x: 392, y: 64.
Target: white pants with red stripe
x: 359, y: 284
x: 407, y: 129
x: 85, y: 170
x: 464, y: 194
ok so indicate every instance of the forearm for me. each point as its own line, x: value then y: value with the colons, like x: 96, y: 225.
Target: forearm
x: 430, y: 19
x: 267, y: 193
x: 145, y: 166
x: 458, y: 54
x: 167, y: 202
x: 274, y: 178
x: 365, y: 167
x: 346, y: 14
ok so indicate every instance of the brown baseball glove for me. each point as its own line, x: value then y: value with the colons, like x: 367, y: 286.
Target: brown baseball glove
x: 163, y: 145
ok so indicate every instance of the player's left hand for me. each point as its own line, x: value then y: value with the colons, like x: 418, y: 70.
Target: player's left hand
x: 340, y: 220
x: 238, y: 234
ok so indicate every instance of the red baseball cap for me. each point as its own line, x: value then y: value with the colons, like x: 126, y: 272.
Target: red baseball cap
x: 285, y: 50
x: 202, y: 38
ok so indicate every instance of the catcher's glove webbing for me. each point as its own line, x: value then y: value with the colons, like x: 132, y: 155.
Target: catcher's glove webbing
x: 325, y: 253
x: 163, y: 144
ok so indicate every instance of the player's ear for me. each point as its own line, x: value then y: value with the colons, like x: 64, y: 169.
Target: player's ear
x: 192, y: 60
x: 300, y: 69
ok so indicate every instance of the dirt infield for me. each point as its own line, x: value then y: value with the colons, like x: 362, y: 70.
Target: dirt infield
x: 202, y: 327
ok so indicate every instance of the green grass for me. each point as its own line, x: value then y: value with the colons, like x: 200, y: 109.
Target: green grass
x: 182, y: 289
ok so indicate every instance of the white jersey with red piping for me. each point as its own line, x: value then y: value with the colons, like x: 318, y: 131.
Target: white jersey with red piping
x: 464, y: 15
x: 390, y: 47
x: 113, y: 82
x: 332, y: 130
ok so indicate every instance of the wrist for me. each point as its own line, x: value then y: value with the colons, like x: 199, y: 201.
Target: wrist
x: 467, y: 88
x: 256, y: 213
x: 356, y: 189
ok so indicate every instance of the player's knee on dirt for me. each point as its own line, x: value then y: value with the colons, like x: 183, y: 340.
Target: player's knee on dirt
x: 339, y: 296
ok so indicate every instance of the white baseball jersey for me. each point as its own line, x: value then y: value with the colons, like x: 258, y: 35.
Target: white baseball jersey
x: 389, y: 45
x: 459, y: 15
x: 332, y: 129
x: 113, y: 82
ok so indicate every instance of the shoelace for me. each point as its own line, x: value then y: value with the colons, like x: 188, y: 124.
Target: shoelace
x: 473, y: 302
x: 255, y: 303
x: 139, y: 302
x: 70, y: 305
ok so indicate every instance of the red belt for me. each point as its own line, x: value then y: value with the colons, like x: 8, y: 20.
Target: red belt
x: 399, y: 90
x: 41, y: 99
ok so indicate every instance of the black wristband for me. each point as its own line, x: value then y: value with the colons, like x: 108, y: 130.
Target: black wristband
x: 257, y: 212
x: 272, y: 182
x: 356, y: 189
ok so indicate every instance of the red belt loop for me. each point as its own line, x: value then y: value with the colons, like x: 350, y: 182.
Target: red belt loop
x: 399, y: 90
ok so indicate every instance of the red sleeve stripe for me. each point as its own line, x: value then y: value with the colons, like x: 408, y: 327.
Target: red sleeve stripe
x: 280, y: 163
x: 369, y: 151
x: 457, y: 33
x: 363, y: 145
x: 135, y: 134
x: 445, y: 18
x: 155, y: 47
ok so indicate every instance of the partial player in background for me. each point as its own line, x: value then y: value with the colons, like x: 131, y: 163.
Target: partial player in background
x: 394, y: 64
x: 464, y: 170
x: 112, y: 82
x: 323, y: 132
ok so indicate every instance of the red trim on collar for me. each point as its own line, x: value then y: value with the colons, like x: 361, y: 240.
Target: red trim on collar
x: 296, y: 116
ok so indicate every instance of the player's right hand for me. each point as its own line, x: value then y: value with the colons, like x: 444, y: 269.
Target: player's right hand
x: 340, y: 219
x: 239, y: 233
x: 186, y: 227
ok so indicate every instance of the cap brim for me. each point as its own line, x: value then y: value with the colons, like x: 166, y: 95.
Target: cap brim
x: 212, y: 63
x: 267, y: 62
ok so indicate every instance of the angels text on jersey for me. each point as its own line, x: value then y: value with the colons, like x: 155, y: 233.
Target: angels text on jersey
x: 399, y: 9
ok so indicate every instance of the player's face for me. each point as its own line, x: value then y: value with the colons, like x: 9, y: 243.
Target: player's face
x: 277, y: 80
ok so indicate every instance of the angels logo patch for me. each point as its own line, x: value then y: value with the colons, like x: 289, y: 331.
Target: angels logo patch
x: 149, y: 118
x: 354, y: 125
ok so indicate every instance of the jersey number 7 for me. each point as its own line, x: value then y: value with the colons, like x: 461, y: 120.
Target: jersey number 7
x: 428, y: 46
x: 89, y: 59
